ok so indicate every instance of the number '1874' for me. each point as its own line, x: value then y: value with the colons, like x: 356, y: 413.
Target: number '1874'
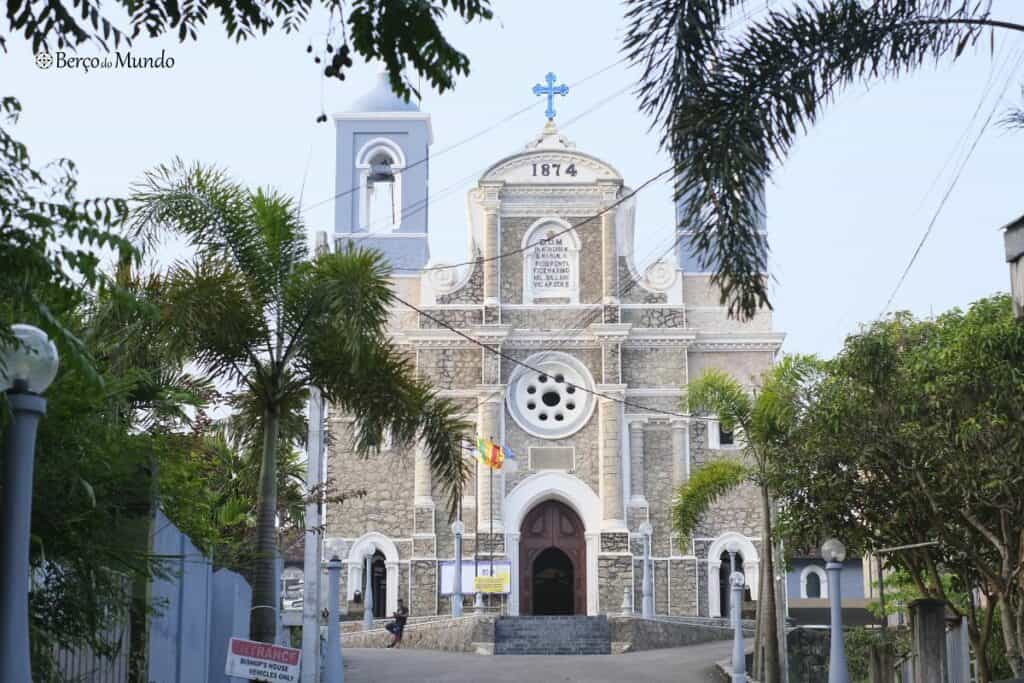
x: 554, y: 170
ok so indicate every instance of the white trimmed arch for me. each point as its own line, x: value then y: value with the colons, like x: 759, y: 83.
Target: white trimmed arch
x: 367, y: 545
x: 822, y: 578
x: 565, y: 488
x: 364, y: 159
x: 751, y: 566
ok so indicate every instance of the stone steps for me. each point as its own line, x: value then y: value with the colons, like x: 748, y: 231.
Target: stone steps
x: 555, y: 635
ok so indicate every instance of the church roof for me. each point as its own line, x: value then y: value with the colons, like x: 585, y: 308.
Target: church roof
x: 381, y: 98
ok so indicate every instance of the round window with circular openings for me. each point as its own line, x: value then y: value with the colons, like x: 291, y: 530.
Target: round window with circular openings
x: 550, y: 400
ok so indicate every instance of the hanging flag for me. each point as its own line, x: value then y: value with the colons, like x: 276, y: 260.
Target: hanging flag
x: 490, y: 453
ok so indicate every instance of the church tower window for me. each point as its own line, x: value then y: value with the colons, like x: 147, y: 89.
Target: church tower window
x: 380, y: 199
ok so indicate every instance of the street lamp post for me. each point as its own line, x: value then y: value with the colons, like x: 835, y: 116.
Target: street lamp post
x: 739, y: 657
x: 26, y: 370
x: 334, y: 670
x: 457, y: 528
x: 733, y: 548
x: 648, y: 598
x: 834, y: 552
x: 368, y: 595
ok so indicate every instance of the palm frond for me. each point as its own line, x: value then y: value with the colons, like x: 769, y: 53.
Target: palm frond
x: 731, y: 109
x: 210, y: 316
x: 696, y: 496
x: 715, y: 391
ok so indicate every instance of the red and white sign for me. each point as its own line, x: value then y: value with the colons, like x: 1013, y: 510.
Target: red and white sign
x: 262, y: 662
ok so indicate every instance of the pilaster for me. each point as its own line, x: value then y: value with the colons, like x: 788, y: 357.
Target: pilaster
x: 490, y: 400
x: 609, y: 410
x: 637, y: 467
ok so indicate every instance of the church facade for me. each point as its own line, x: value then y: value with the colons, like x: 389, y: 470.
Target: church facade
x: 586, y: 390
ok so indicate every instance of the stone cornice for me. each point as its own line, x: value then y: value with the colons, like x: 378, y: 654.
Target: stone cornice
x: 610, y: 331
x: 654, y: 336
x: 749, y: 341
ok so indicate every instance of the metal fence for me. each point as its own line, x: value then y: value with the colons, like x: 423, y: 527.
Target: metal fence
x: 195, y: 613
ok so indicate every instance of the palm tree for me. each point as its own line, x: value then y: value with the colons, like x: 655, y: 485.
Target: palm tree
x: 731, y: 109
x: 253, y: 311
x: 766, y: 422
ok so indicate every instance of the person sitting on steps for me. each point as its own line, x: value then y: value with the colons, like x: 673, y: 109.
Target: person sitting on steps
x: 396, y: 627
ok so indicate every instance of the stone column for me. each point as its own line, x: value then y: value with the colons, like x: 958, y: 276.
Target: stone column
x: 422, y: 483
x: 680, y: 452
x: 609, y: 420
x: 637, y: 475
x: 489, y: 403
x: 609, y: 259
x: 491, y: 242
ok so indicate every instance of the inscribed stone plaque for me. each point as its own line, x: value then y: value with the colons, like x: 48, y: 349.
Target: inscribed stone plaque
x: 551, y: 274
x: 549, y: 458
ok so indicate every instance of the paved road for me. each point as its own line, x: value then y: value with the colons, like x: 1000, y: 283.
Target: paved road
x: 682, y: 665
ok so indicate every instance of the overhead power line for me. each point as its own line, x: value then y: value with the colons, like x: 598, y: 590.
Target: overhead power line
x: 949, y: 190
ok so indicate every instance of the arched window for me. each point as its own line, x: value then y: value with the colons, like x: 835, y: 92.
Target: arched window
x: 813, y: 582
x: 380, y: 163
x: 813, y: 586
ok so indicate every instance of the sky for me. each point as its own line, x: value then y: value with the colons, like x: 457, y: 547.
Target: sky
x: 846, y: 210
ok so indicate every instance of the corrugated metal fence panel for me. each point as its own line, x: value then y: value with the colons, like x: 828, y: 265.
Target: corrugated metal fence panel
x: 81, y: 665
x: 232, y: 599
x: 196, y: 595
x: 164, y: 647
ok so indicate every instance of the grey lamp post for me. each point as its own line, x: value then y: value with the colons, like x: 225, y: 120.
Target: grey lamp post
x: 368, y: 594
x: 739, y: 657
x: 647, y: 605
x: 732, y: 548
x: 334, y: 670
x: 26, y: 370
x: 834, y: 553
x: 457, y: 528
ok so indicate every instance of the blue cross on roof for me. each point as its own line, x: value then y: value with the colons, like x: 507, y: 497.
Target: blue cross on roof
x: 550, y: 90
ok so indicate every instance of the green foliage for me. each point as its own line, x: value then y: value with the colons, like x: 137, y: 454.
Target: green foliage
x: 399, y: 33
x: 731, y: 107
x: 696, y: 496
x: 252, y: 311
x: 915, y: 435
x: 50, y: 241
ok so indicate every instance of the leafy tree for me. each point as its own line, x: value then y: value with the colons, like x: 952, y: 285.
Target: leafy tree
x: 253, y: 311
x: 767, y: 421
x: 49, y: 239
x: 110, y: 421
x: 730, y: 109
x: 399, y: 33
x: 915, y: 435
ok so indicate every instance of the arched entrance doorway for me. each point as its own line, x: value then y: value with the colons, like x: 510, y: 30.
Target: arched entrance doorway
x: 552, y: 561
x: 379, y: 585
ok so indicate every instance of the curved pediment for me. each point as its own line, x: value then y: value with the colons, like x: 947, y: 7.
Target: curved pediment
x: 550, y: 167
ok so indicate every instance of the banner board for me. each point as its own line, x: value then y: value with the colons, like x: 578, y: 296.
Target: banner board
x: 262, y: 662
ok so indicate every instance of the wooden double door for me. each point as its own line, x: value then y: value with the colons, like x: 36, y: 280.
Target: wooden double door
x: 552, y: 561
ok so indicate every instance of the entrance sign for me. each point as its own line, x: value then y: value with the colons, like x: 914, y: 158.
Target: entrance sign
x: 499, y: 582
x: 492, y: 584
x: 262, y: 662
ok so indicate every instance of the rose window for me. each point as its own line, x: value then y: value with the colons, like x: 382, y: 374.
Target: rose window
x: 551, y: 398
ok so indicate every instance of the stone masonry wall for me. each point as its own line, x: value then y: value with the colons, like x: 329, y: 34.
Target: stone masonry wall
x: 449, y: 368
x: 654, y: 367
x: 614, y: 573
x: 387, y: 509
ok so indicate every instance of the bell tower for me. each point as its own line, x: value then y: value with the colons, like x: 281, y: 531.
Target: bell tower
x: 381, y: 179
